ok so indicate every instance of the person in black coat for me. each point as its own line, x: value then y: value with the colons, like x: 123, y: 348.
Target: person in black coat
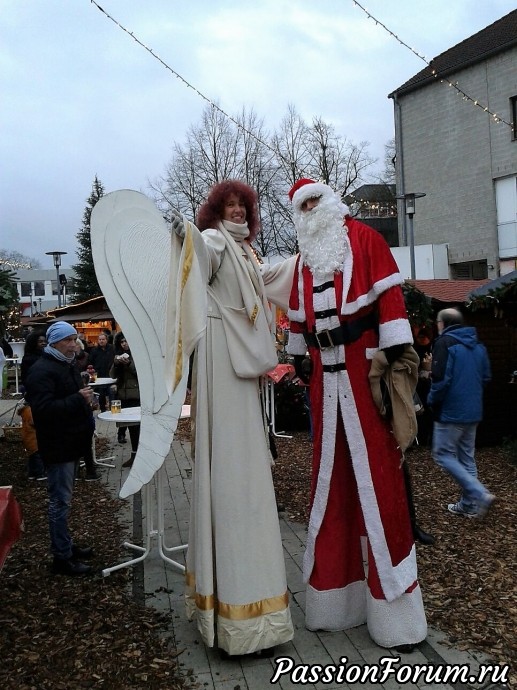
x: 35, y: 343
x: 61, y: 409
x: 101, y: 359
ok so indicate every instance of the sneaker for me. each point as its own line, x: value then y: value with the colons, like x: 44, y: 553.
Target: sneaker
x: 485, y: 505
x: 60, y: 566
x: 457, y: 509
x: 38, y: 477
x: 92, y: 477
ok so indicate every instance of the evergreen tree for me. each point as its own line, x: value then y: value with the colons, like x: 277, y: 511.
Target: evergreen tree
x: 9, y: 314
x: 85, y: 285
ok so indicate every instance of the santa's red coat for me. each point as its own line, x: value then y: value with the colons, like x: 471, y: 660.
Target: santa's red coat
x: 357, y: 475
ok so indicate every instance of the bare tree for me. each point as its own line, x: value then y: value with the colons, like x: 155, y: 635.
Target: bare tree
x: 220, y: 148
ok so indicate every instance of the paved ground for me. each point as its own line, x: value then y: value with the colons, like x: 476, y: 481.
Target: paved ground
x: 161, y: 585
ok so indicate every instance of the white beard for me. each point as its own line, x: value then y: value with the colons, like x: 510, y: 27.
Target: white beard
x: 322, y: 237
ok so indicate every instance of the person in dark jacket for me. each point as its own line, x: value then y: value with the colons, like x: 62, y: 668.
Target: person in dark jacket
x: 124, y: 371
x: 460, y: 370
x: 101, y: 359
x: 35, y: 343
x: 61, y: 409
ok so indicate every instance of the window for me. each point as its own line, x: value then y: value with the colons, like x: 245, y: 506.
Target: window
x: 26, y: 289
x: 513, y: 114
x: 54, y: 287
x: 39, y: 288
x: 470, y: 270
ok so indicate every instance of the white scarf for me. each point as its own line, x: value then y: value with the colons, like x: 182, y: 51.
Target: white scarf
x: 249, y: 277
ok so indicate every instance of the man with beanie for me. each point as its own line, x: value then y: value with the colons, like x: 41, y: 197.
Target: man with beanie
x: 347, y: 308
x: 61, y: 409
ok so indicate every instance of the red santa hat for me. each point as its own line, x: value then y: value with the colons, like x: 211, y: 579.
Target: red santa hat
x: 308, y: 189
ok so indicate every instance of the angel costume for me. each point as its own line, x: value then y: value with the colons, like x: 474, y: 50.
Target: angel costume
x: 236, y: 582
x: 359, y: 510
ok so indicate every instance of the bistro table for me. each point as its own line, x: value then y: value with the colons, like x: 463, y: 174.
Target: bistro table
x: 102, y: 461
x: 133, y: 415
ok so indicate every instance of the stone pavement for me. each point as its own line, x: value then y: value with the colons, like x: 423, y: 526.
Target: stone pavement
x: 156, y: 583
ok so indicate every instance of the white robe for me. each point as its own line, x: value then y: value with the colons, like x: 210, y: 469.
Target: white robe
x: 236, y: 582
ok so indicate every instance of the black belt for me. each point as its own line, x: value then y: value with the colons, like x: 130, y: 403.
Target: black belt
x: 347, y: 332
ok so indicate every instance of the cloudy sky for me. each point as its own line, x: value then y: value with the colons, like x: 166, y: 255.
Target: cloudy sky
x: 81, y: 98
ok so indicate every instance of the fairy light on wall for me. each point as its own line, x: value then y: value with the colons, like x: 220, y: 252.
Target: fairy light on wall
x: 465, y: 96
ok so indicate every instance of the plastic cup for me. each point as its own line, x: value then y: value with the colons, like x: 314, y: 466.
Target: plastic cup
x: 116, y: 406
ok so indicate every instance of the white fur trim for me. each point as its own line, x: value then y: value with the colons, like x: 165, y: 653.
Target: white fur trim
x: 328, y: 446
x: 296, y: 344
x: 336, y: 609
x: 372, y: 294
x: 398, y: 622
x: 369, y: 352
x: 310, y: 191
x: 298, y: 314
x: 394, y: 332
x: 394, y: 579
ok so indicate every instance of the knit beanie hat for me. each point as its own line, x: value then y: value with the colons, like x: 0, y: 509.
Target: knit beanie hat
x: 59, y: 331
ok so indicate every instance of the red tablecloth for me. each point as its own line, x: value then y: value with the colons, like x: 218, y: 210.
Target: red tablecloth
x: 11, y: 522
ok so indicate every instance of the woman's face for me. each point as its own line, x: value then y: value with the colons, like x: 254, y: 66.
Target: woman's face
x: 123, y: 344
x: 42, y: 342
x: 234, y: 210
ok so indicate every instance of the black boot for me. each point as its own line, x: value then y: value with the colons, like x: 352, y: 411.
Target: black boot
x: 71, y: 567
x: 418, y: 534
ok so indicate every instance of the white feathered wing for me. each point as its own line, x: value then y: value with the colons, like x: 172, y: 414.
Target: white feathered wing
x: 156, y: 290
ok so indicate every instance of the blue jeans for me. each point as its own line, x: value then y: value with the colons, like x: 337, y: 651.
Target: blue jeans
x: 453, y: 450
x: 60, y: 486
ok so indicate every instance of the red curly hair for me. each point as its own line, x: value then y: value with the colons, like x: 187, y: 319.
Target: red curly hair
x: 211, y: 211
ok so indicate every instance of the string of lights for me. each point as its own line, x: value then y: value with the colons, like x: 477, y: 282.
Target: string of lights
x: 13, y: 264
x: 465, y: 96
x: 184, y: 81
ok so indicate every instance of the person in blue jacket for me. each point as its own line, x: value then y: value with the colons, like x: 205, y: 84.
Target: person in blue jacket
x: 460, y: 370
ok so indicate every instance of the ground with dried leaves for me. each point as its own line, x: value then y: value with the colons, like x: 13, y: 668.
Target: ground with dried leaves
x: 469, y: 577
x: 58, y: 632
x: 71, y: 633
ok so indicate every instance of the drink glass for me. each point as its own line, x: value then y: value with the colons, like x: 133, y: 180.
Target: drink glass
x: 116, y: 406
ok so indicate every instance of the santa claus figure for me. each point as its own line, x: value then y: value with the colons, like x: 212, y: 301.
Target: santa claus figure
x: 347, y: 308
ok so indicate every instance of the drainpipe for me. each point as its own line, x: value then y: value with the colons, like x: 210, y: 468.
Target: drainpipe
x: 399, y: 168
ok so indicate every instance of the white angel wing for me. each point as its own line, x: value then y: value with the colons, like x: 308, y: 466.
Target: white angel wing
x: 138, y: 265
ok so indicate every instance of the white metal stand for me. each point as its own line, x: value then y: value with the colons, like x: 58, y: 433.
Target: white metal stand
x: 16, y: 361
x: 132, y: 415
x: 268, y: 398
x: 150, y: 531
x: 102, y: 461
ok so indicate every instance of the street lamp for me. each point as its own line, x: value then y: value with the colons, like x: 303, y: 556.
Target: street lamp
x: 57, y: 263
x: 409, y: 207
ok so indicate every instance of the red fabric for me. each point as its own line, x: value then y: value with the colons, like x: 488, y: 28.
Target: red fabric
x: 281, y: 370
x: 11, y: 522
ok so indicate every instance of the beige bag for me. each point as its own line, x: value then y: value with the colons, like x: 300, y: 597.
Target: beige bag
x: 251, y: 348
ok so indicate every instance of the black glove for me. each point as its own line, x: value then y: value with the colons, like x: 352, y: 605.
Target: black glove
x: 393, y: 353
x: 302, y: 367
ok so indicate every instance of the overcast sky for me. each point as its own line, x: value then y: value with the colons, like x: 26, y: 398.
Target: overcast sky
x: 79, y: 97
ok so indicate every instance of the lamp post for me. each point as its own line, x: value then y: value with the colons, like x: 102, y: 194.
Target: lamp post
x: 409, y: 208
x: 39, y: 301
x: 57, y: 263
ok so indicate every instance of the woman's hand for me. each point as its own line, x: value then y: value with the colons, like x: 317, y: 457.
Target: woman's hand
x: 177, y: 223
